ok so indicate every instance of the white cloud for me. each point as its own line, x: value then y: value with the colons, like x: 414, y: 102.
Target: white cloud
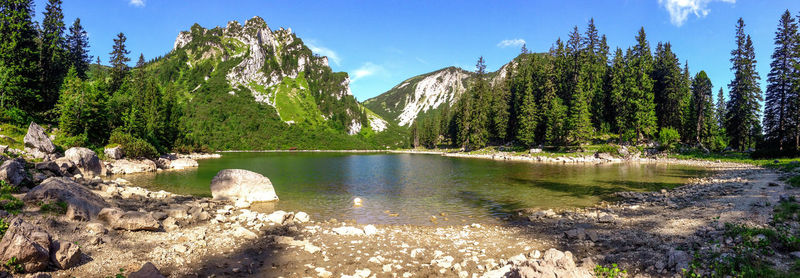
x: 512, y: 42
x: 137, y: 3
x: 321, y: 50
x: 679, y: 9
x: 367, y: 69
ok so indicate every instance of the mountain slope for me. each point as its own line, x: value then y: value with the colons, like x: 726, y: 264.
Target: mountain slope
x: 249, y: 87
x: 414, y: 96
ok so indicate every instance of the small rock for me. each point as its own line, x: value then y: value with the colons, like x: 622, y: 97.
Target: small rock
x: 370, y: 230
x: 302, y: 217
x: 65, y: 255
x: 148, y: 270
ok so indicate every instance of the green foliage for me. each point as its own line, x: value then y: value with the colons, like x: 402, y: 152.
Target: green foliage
x: 743, y: 107
x: 786, y: 210
x: 8, y: 202
x: 794, y: 181
x: 609, y: 272
x: 3, y: 227
x: 55, y: 208
x: 14, y: 266
x: 668, y: 137
x: 19, y: 58
x: 610, y: 149
x: 132, y: 146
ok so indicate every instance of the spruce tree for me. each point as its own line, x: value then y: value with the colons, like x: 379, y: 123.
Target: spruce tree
x: 702, y: 110
x: 576, y: 90
x: 721, y: 109
x: 52, y: 54
x: 596, y: 50
x: 639, y: 89
x: 528, y: 121
x: 119, y: 59
x: 743, y: 106
x: 479, y: 126
x: 781, y: 83
x: 501, y: 98
x: 77, y: 46
x: 19, y: 71
x: 671, y: 91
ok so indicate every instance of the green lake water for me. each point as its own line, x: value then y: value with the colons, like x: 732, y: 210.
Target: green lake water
x: 417, y: 186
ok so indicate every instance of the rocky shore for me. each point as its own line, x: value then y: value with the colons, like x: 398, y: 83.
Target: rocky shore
x: 102, y: 226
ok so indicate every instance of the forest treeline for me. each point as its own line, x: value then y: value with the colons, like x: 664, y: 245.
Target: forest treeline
x: 581, y: 92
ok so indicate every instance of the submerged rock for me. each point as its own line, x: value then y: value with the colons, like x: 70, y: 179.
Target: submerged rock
x: 183, y: 163
x: 238, y: 184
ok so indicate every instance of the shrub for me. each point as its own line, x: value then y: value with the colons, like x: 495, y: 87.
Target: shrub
x: 609, y: 272
x: 132, y: 146
x: 610, y: 149
x: 668, y: 137
x: 71, y: 141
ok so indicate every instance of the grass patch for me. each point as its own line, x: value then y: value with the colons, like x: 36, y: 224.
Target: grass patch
x: 8, y: 202
x: 786, y: 211
x: 794, y: 181
x: 54, y: 208
x: 609, y: 272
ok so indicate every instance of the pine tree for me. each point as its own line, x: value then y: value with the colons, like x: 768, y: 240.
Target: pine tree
x: 781, y: 83
x: 479, y: 121
x: 77, y: 46
x: 119, y: 60
x: 576, y: 90
x: 638, y: 90
x: 743, y: 106
x: 19, y: 71
x: 141, y: 62
x: 501, y: 98
x: 671, y: 90
x: 52, y: 54
x: 721, y: 109
x: 702, y: 110
x: 528, y: 120
x: 596, y: 50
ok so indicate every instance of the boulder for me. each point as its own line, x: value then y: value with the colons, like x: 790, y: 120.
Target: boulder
x: 82, y: 203
x: 148, y: 270
x: 113, y: 153
x: 678, y: 259
x: 36, y: 140
x: 163, y: 163
x: 110, y: 215
x: 66, y: 166
x: 30, y: 245
x: 136, y: 221
x: 65, y: 255
x: 13, y: 171
x: 49, y: 166
x: 126, y: 166
x: 3, y: 149
x: 301, y: 217
x: 86, y: 161
x: 183, y: 163
x: 238, y: 184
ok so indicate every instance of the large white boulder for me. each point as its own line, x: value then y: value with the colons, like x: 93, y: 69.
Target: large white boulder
x: 86, y: 161
x: 82, y: 203
x: 128, y: 166
x: 183, y: 163
x: 242, y: 185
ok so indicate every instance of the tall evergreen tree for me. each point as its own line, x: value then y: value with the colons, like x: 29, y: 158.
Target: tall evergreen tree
x: 140, y: 63
x: 702, y: 110
x: 19, y: 71
x: 671, y: 90
x: 501, y: 99
x: 638, y: 90
x: 743, y: 106
x: 781, y: 82
x: 119, y: 62
x: 77, y: 45
x: 479, y: 121
x: 52, y: 54
x: 596, y: 50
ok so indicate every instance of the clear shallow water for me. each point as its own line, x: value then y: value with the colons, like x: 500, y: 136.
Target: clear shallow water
x: 417, y: 186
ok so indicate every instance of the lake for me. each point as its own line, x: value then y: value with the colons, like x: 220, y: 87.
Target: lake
x: 410, y: 188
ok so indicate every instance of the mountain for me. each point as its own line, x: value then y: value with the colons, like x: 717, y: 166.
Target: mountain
x: 422, y: 93
x: 250, y: 87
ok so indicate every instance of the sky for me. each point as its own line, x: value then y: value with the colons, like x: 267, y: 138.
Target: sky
x: 381, y: 43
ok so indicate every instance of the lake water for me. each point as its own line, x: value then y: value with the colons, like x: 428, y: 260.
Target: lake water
x: 410, y: 188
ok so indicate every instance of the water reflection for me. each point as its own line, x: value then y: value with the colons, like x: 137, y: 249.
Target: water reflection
x: 408, y: 189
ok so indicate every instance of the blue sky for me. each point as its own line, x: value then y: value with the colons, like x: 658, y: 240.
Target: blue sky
x: 382, y: 43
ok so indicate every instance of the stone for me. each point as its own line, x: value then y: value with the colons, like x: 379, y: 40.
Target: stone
x: 278, y: 217
x: 606, y: 219
x: 82, y: 203
x: 30, y: 245
x: 3, y: 149
x: 114, y: 153
x: 370, y: 230
x: 170, y: 224
x: 86, y: 161
x: 109, y: 215
x: 148, y: 270
x: 533, y: 151
x: 50, y: 166
x: 678, y: 259
x: 96, y: 228
x: 13, y: 171
x: 237, y: 184
x: 36, y: 139
x: 183, y: 163
x: 136, y: 221
x: 244, y: 233
x: 302, y: 217
x: 65, y: 255
x: 177, y: 213
x: 795, y: 255
x: 348, y: 231
x: 128, y: 166
x: 65, y: 166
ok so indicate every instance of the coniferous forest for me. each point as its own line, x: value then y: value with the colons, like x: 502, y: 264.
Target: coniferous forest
x: 583, y: 92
